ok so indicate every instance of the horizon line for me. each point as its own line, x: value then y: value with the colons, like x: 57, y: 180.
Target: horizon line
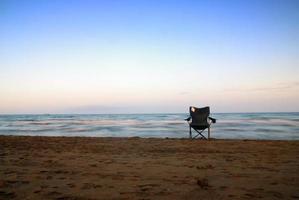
x: 144, y: 113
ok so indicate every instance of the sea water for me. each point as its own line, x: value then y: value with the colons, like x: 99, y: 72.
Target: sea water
x: 277, y: 126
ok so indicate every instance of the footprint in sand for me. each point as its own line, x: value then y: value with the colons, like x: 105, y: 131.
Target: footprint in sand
x: 53, y: 193
x: 37, y: 191
x: 208, y: 166
x: 146, y: 187
x: 223, y: 187
x: 71, y: 185
x: 90, y: 186
x: 7, y: 195
x: 203, y: 183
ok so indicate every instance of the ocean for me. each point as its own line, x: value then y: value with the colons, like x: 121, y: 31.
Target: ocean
x: 273, y: 126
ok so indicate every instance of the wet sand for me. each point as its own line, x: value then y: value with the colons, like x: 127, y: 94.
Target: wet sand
x: 135, y: 168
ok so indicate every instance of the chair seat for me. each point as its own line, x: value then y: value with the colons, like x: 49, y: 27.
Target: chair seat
x: 199, y: 127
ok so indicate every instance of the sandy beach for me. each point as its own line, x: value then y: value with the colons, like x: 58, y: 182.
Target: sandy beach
x: 136, y: 168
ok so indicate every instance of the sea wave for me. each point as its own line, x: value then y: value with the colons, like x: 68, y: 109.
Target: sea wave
x: 229, y: 125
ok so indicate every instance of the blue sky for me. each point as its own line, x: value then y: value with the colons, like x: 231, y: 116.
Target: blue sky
x: 148, y: 56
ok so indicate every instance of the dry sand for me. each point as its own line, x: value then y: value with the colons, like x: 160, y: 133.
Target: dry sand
x: 135, y: 168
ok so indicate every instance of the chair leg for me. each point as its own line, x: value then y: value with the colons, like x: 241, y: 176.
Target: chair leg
x: 209, y: 131
x: 199, y: 133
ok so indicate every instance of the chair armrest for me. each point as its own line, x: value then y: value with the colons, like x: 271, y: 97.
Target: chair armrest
x: 212, y: 119
x: 187, y: 119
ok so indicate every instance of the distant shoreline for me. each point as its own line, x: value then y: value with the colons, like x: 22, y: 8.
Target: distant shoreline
x: 149, y: 138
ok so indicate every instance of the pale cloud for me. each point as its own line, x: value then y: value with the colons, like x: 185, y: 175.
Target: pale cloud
x: 266, y: 88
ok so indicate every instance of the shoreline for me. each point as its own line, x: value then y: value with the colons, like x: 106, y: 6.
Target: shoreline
x: 63, y: 167
x: 158, y: 138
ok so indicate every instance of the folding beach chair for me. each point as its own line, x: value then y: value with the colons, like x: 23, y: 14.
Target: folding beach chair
x: 199, y: 120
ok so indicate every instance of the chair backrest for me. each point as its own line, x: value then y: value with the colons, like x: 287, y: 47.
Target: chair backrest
x: 199, y: 115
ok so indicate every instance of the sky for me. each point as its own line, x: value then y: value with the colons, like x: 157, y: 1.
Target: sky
x: 123, y: 56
